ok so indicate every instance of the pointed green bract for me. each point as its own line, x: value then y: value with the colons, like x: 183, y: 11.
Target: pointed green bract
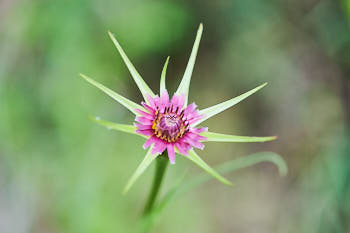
x: 194, y: 157
x: 183, y: 88
x: 136, y: 76
x: 121, y: 99
x: 115, y: 126
x: 212, y: 111
x: 218, y: 137
x: 140, y: 169
x: 162, y: 78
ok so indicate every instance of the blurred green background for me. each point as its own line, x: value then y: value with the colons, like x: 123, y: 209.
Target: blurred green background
x: 60, y: 172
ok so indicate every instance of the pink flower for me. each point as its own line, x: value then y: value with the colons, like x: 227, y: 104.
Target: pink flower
x: 168, y: 124
x: 171, y: 124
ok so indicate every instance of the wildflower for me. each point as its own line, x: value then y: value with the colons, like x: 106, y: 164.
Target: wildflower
x: 169, y: 124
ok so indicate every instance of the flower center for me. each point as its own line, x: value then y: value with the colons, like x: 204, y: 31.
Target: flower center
x: 169, y: 126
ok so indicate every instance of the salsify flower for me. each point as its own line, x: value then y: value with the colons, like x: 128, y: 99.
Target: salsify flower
x: 170, y: 124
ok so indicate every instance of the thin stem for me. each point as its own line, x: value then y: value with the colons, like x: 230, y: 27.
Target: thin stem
x: 161, y: 165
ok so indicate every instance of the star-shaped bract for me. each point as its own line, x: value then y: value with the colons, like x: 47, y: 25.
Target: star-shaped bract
x: 170, y: 123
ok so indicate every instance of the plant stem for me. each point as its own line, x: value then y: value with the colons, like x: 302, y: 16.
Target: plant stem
x: 161, y: 165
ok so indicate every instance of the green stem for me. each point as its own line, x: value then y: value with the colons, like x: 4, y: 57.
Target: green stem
x: 161, y: 164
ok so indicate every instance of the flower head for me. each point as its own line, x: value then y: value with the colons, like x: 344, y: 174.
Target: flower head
x: 170, y: 124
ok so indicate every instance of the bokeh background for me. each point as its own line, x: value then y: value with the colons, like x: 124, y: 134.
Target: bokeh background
x: 60, y: 172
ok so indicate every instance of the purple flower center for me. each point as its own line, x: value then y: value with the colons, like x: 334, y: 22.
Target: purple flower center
x: 169, y: 126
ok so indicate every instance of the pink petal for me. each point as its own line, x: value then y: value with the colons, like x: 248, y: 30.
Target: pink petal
x: 199, y: 130
x: 193, y: 114
x: 185, y: 145
x: 178, y: 101
x: 174, y: 100
x: 195, y: 136
x: 148, y: 108
x: 146, y: 132
x: 190, y: 108
x: 195, y: 119
x: 193, y: 143
x: 156, y: 101
x: 151, y: 101
x: 144, y: 114
x: 181, y: 101
x: 144, y: 120
x: 164, y: 98
x: 171, y: 153
x: 159, y: 147
x: 149, y: 142
x: 142, y: 127
x: 182, y: 148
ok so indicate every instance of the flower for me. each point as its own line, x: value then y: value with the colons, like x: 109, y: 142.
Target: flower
x: 170, y: 124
